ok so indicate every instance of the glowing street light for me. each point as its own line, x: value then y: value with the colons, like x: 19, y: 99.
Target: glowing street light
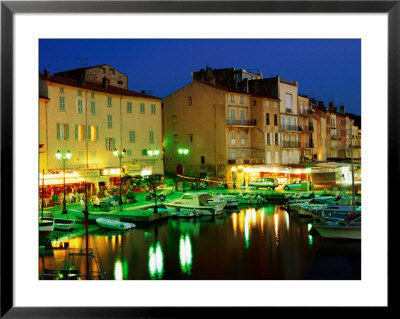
x: 153, y: 154
x: 64, y: 157
x: 120, y: 155
x: 183, y: 152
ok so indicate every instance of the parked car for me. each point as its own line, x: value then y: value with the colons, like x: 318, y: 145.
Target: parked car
x: 270, y: 183
x: 297, y: 185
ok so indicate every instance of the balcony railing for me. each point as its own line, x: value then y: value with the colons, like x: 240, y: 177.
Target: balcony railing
x: 335, y: 137
x: 241, y: 122
x: 309, y: 128
x: 308, y: 145
x: 288, y: 110
x: 251, y: 160
x: 290, y: 144
x: 306, y: 113
x: 294, y: 128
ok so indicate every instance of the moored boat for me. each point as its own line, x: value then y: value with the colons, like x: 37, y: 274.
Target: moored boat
x: 46, y: 226
x: 345, y: 229
x: 110, y: 223
x: 198, y: 201
x: 64, y: 224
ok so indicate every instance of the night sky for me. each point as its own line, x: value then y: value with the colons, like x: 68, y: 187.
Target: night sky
x: 328, y: 70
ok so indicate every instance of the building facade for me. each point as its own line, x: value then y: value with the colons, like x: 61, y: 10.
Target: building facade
x: 92, y: 120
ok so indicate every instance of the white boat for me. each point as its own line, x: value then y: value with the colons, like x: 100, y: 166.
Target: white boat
x: 346, y: 229
x: 231, y: 201
x: 64, y: 224
x: 114, y: 224
x: 186, y: 214
x: 197, y: 201
x: 46, y: 226
x: 335, y: 212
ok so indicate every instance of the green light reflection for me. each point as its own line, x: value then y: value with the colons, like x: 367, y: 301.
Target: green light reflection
x: 246, y: 231
x: 185, y: 254
x: 156, y: 261
x: 310, y: 241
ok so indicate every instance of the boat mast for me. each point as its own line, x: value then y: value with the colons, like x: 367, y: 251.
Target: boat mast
x: 352, y: 166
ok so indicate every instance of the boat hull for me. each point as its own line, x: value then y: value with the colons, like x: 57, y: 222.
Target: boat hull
x: 113, y: 224
x: 46, y: 226
x: 340, y: 232
x: 203, y: 210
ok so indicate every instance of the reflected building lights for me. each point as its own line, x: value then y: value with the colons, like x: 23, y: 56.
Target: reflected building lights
x: 185, y: 254
x: 276, y: 228
x: 156, y: 262
x: 234, y: 223
x: 118, y: 274
x: 310, y: 241
x: 246, y: 231
x: 286, y: 214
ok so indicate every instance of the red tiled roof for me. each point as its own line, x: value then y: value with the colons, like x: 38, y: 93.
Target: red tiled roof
x: 95, y: 87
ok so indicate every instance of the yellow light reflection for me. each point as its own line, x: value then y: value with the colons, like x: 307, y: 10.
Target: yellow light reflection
x: 286, y: 214
x: 254, y: 216
x: 156, y: 262
x: 185, y: 254
x: 262, y: 220
x: 276, y: 229
x: 118, y: 274
x: 234, y: 223
x: 309, y: 226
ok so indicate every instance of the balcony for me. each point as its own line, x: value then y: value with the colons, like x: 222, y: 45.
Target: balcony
x: 306, y: 113
x: 309, y: 128
x: 289, y: 110
x: 293, y: 128
x: 290, y: 144
x: 335, y: 137
x: 308, y: 145
x: 234, y: 122
x: 251, y: 160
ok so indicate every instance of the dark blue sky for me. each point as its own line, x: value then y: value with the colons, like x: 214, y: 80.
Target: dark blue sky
x: 326, y: 69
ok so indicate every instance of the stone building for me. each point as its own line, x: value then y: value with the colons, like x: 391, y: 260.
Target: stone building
x: 91, y: 120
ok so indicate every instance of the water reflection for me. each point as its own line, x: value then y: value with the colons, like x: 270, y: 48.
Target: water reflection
x: 237, y: 245
x: 156, y: 261
x: 276, y: 223
x: 118, y: 273
x: 185, y: 254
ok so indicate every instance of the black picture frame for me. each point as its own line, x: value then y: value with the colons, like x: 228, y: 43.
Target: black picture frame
x: 9, y: 8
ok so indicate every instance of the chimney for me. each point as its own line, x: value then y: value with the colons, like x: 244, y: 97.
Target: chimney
x: 209, y: 74
x: 331, y: 107
x: 342, y: 109
x: 47, y: 73
x: 321, y: 105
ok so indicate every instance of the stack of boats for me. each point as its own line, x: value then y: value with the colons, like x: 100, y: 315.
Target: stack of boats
x: 334, y: 217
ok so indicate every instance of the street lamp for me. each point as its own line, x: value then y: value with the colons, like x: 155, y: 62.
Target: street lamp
x: 153, y: 154
x: 64, y: 157
x: 183, y: 152
x: 120, y: 156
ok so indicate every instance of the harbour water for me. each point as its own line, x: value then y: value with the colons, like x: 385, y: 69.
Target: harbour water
x: 258, y: 243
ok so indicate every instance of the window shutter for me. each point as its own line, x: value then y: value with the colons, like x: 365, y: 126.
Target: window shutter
x: 113, y: 143
x: 67, y: 131
x: 58, y: 130
x: 89, y: 132
x: 84, y: 132
x: 97, y: 133
x: 106, y: 143
x: 279, y: 138
x: 76, y: 131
